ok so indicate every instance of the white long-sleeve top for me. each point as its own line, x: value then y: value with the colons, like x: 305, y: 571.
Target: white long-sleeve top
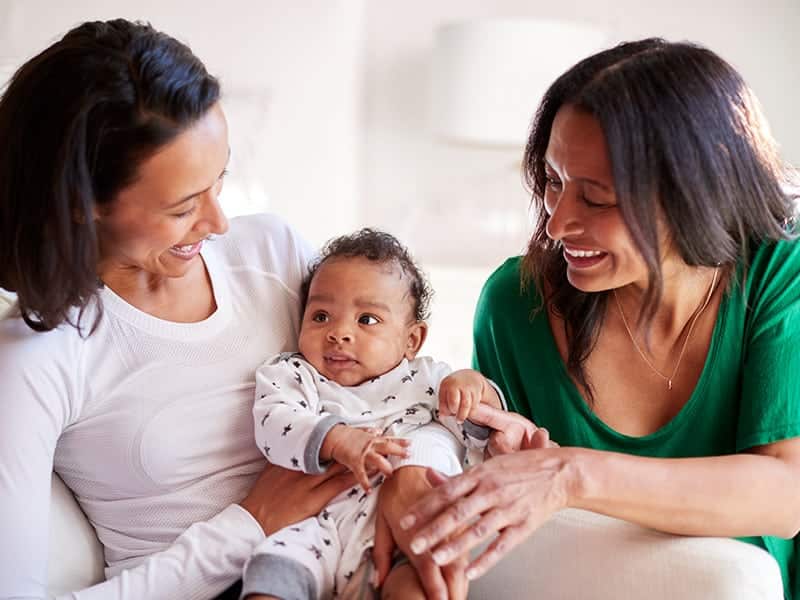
x: 295, y: 408
x: 149, y: 423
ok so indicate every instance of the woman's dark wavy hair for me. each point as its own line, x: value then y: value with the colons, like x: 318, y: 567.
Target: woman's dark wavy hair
x: 380, y: 247
x: 76, y: 122
x: 687, y: 143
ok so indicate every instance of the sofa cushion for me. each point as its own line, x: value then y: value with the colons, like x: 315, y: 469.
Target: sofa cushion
x: 75, y: 556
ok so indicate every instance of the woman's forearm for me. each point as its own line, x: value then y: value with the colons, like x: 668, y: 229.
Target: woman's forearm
x: 736, y: 495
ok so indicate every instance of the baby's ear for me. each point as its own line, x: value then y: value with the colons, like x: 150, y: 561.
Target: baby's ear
x: 417, y: 332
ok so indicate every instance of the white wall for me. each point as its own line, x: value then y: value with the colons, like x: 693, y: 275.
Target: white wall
x: 404, y: 165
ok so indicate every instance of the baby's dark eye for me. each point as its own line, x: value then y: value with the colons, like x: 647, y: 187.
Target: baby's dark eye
x: 368, y: 320
x: 319, y: 317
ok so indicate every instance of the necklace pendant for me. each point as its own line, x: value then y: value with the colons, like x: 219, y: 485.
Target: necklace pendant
x: 669, y: 384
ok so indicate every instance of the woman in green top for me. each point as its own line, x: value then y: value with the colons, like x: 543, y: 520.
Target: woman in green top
x: 653, y: 326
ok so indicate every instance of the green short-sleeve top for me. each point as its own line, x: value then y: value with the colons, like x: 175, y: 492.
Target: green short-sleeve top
x: 748, y: 393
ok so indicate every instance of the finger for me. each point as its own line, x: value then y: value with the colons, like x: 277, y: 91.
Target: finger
x: 500, y: 420
x: 381, y: 464
x: 499, y: 443
x: 538, y: 439
x: 454, y: 401
x: 444, y: 400
x: 390, y: 448
x: 430, y: 575
x: 382, y: 549
x: 459, y: 513
x: 434, y: 477
x: 435, y: 501
x: 506, y: 541
x: 362, y: 478
x: 397, y: 440
x: 455, y: 578
x: 467, y: 402
x: 481, y: 531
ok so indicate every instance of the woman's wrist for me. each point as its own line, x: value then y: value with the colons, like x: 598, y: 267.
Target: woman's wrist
x: 574, y: 476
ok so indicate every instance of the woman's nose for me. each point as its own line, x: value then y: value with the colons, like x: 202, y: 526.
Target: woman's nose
x: 213, y: 219
x: 564, y: 220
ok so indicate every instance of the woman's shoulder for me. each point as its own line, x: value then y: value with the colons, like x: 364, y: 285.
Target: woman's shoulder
x: 263, y: 234
x: 265, y: 243
x: 506, y: 287
x: 46, y: 364
x: 771, y: 280
x: 773, y: 264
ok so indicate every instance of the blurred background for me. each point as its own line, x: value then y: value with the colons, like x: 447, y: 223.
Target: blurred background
x: 411, y: 116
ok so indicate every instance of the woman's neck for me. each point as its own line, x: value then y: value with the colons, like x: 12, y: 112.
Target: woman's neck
x: 186, y: 299
x: 685, y: 291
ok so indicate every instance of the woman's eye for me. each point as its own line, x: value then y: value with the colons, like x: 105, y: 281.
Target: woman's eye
x: 319, y: 317
x: 185, y: 213
x: 367, y: 320
x: 552, y: 183
x: 592, y: 204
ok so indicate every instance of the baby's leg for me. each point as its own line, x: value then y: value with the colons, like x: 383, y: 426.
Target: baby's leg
x: 293, y: 563
x: 402, y: 583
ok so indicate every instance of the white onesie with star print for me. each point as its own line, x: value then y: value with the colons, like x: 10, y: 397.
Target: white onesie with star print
x: 295, y: 408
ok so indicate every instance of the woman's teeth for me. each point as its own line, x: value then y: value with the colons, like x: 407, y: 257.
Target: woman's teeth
x: 583, y: 253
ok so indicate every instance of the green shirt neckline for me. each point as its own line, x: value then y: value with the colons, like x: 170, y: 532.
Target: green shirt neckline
x: 675, y: 422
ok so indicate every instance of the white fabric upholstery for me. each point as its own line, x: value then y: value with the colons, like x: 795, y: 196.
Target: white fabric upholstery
x: 75, y: 558
x: 576, y: 555
x: 580, y: 555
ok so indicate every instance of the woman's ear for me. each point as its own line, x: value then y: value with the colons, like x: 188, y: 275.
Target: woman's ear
x: 417, y: 332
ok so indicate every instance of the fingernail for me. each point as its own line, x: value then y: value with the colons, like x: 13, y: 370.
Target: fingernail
x: 472, y: 574
x: 418, y: 546
x: 407, y: 522
x: 440, y: 557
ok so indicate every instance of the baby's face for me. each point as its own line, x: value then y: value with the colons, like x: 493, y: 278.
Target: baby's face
x: 358, y: 321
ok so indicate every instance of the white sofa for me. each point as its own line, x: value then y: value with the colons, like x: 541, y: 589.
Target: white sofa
x: 577, y: 554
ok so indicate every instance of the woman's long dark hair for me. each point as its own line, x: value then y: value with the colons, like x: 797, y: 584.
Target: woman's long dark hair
x: 76, y: 122
x: 687, y: 141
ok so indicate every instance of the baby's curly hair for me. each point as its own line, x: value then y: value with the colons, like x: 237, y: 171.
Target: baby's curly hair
x: 380, y: 247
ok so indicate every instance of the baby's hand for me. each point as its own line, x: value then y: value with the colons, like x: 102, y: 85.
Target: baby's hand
x: 364, y: 451
x: 462, y: 391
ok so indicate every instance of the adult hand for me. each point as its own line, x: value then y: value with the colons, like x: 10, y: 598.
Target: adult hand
x: 281, y: 496
x: 402, y: 489
x: 511, y: 431
x: 510, y: 495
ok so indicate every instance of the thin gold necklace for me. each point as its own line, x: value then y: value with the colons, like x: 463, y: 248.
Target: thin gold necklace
x: 697, y: 314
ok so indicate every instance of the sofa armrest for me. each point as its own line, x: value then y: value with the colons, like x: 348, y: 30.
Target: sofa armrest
x: 578, y: 554
x: 75, y: 558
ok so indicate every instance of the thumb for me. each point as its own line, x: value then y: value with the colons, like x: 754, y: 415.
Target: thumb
x: 435, y: 477
x: 383, y: 549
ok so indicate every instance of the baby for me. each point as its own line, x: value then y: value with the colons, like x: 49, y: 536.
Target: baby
x: 358, y: 395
